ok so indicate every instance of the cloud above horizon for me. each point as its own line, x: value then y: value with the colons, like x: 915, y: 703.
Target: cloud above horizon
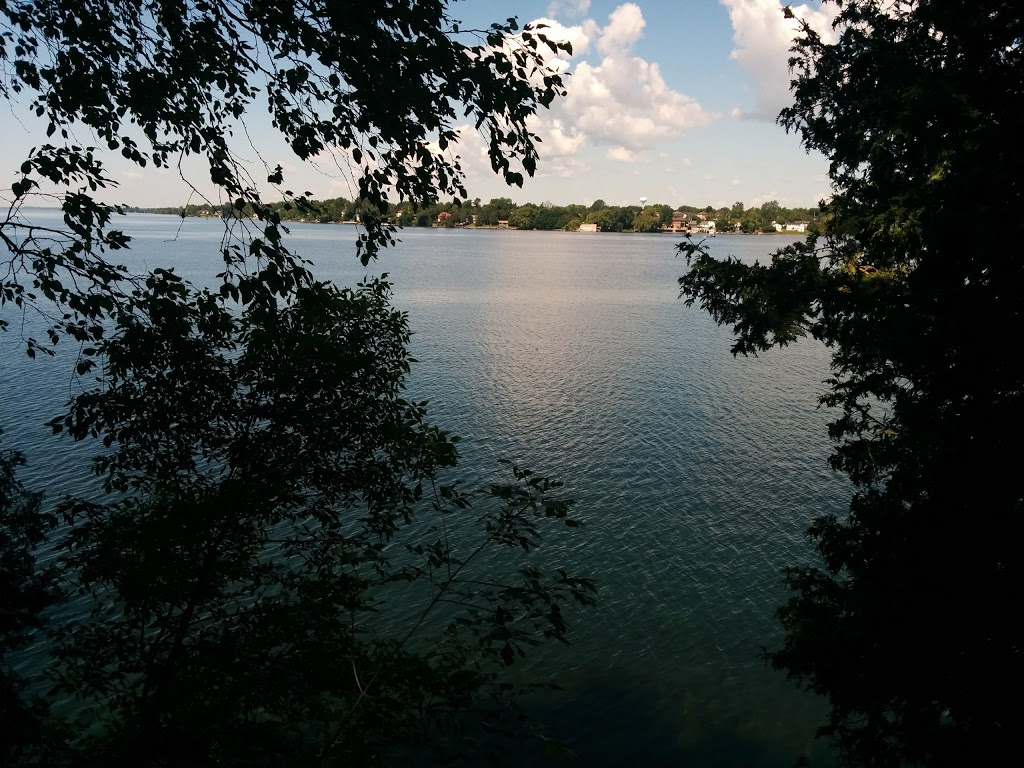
x: 762, y: 37
x: 614, y: 98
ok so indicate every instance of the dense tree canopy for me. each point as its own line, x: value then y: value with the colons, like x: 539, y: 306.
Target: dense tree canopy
x: 907, y: 626
x: 268, y: 485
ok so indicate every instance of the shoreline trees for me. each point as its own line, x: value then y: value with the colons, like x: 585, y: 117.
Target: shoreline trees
x: 628, y: 218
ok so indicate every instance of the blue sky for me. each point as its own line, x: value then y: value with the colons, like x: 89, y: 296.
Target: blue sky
x: 672, y: 100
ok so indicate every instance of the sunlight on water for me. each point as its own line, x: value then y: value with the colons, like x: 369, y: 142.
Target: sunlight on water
x: 696, y: 473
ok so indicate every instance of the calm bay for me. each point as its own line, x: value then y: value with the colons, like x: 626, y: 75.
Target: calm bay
x: 570, y: 353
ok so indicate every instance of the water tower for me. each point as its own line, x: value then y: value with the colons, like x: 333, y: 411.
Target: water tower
x: 643, y: 201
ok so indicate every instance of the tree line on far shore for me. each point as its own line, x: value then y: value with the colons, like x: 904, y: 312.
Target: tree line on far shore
x: 544, y: 216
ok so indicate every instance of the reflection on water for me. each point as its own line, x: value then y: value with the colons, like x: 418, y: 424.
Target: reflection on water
x: 697, y: 473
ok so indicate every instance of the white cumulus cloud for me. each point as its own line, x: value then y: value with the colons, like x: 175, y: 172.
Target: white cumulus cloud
x: 762, y: 37
x: 616, y: 98
x: 625, y: 26
x: 625, y: 101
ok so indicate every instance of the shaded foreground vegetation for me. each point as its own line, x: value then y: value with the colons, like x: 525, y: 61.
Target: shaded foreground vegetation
x: 281, y: 568
x: 906, y: 625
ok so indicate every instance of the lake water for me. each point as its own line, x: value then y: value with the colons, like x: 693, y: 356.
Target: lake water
x: 696, y: 473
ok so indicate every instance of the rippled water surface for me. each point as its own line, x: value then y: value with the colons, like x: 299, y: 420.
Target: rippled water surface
x: 696, y: 473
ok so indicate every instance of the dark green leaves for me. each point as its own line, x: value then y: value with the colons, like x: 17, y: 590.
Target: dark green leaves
x: 917, y: 107
x: 28, y: 590
x: 767, y: 306
x: 253, y: 439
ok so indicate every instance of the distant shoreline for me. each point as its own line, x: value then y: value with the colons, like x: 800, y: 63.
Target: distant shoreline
x: 164, y: 212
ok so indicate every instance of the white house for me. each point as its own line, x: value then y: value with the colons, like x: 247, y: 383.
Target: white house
x: 793, y: 226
